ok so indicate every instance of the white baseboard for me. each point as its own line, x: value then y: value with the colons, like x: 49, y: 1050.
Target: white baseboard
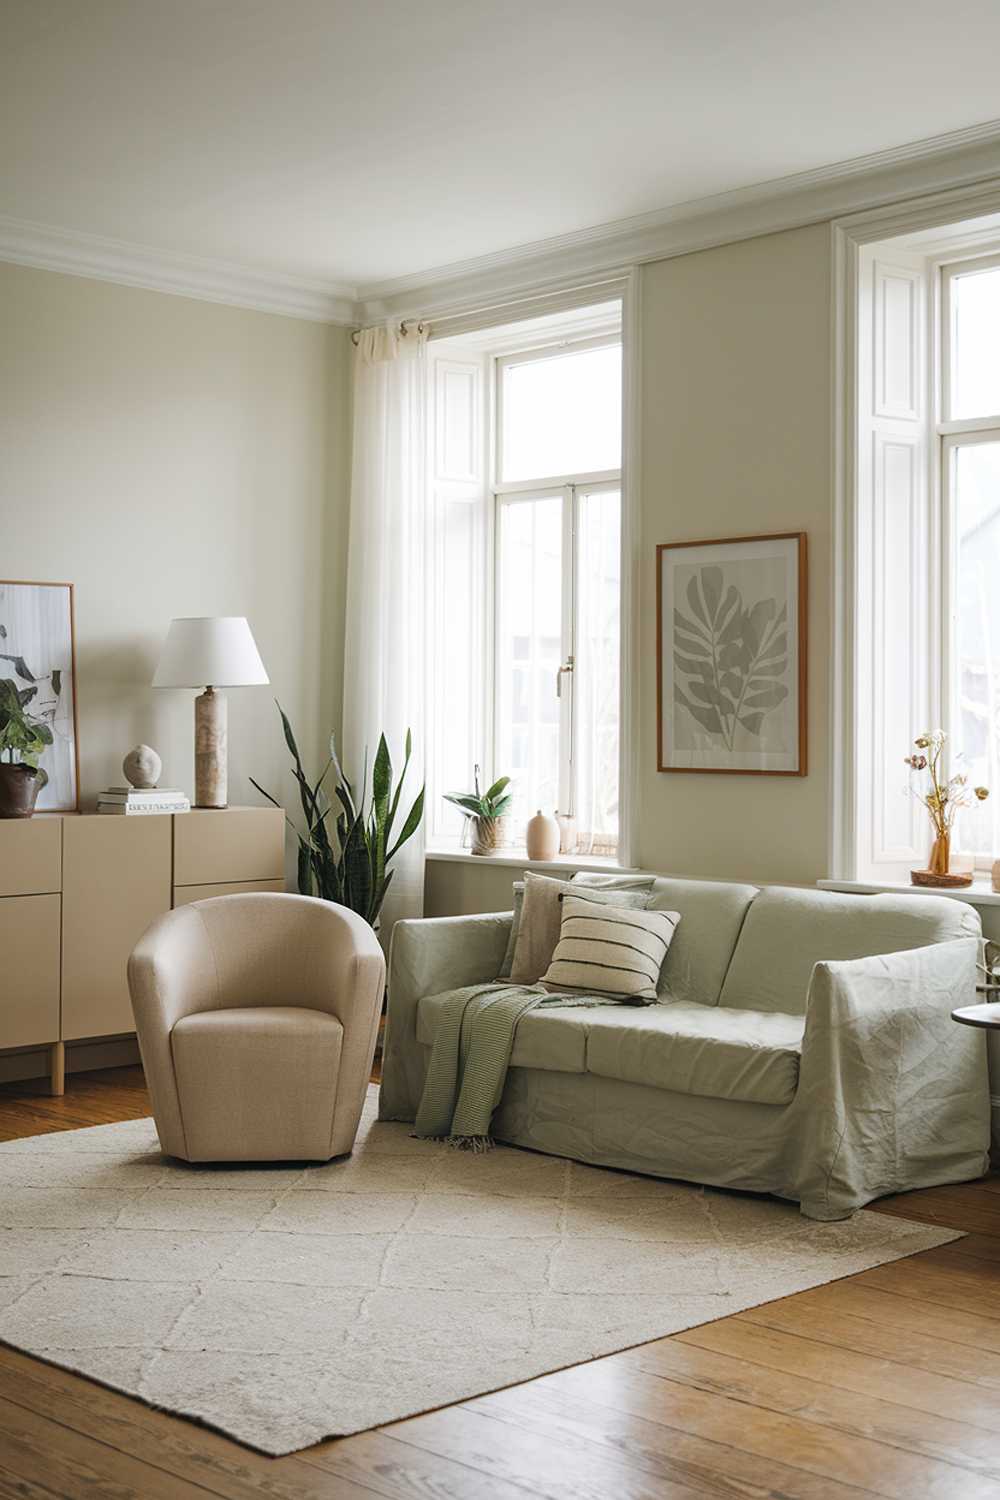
x: 81, y: 1057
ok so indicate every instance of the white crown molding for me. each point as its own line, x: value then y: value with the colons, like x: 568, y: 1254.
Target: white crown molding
x: 955, y: 160
x: 579, y: 260
x: 50, y: 249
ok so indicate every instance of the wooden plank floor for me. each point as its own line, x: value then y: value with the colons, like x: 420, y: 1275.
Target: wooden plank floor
x: 887, y: 1383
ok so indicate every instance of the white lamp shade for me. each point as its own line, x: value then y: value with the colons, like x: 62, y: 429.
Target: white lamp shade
x: 209, y: 652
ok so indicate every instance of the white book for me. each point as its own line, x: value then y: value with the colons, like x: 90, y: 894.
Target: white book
x: 142, y: 794
x: 142, y: 809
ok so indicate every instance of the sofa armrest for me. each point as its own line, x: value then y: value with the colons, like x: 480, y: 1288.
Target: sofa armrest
x: 889, y: 1086
x: 427, y: 956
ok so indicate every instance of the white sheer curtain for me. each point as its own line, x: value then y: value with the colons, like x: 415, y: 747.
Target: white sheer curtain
x: 385, y: 625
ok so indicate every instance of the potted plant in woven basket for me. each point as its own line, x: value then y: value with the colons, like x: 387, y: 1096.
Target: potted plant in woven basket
x: 22, y: 740
x: 484, y: 811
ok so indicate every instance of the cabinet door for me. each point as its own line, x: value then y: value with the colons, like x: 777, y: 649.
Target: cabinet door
x: 30, y: 855
x: 229, y: 844
x: 116, y: 879
x: 29, y: 991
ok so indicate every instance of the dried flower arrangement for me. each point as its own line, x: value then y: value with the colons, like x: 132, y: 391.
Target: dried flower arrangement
x: 943, y: 800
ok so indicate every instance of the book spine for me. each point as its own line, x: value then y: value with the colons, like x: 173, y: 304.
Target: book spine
x: 119, y: 810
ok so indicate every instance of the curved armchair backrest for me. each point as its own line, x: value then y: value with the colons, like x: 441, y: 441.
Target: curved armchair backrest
x: 261, y: 948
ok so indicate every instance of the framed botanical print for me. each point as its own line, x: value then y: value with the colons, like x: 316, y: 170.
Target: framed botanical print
x: 38, y: 654
x: 731, y: 655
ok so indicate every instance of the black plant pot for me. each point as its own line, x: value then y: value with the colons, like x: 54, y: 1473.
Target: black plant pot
x: 19, y: 788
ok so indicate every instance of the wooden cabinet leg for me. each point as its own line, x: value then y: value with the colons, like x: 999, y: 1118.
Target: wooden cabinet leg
x: 57, y: 1068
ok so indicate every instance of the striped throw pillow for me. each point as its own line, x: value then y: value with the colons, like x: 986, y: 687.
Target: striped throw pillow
x: 611, y: 951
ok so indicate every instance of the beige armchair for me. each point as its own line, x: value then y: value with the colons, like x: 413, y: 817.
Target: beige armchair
x: 257, y: 1017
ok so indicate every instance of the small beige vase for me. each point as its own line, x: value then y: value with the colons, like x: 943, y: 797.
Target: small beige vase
x: 541, y: 837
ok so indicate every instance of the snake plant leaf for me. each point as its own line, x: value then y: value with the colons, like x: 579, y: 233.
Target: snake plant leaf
x: 408, y: 751
x: 412, y: 823
x: 381, y: 782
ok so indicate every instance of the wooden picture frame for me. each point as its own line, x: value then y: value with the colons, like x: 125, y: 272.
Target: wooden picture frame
x: 732, y: 655
x: 38, y: 651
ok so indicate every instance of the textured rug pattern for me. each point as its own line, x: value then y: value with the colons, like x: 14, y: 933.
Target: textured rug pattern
x: 284, y: 1305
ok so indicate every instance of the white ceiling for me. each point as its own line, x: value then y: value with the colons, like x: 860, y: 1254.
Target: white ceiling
x: 353, y: 141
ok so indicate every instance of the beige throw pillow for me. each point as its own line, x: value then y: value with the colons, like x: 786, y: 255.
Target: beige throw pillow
x: 610, y: 951
x: 541, y: 915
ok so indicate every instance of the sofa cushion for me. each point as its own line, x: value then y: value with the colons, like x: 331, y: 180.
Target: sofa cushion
x: 541, y: 918
x: 787, y: 931
x: 698, y: 1049
x: 606, y: 951
x: 712, y: 913
x: 553, y: 1040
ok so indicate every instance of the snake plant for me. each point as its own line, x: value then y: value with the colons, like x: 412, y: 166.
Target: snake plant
x: 351, y: 867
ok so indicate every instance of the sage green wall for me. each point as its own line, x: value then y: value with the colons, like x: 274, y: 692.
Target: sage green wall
x: 736, y: 440
x: 176, y: 457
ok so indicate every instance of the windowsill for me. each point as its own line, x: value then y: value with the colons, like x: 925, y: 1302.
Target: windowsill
x: 512, y: 859
x: 979, y: 893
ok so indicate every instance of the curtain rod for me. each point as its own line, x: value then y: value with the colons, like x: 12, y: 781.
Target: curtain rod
x: 404, y: 328
x: 490, y: 307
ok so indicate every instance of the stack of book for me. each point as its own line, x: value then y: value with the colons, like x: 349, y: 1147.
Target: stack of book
x: 129, y: 801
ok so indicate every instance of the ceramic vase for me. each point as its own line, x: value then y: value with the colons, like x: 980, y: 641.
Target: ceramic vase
x: 542, y: 836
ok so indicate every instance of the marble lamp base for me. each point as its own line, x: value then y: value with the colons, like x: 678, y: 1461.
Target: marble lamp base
x: 211, y: 749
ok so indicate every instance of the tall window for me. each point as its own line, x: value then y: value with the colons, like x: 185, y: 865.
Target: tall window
x: 538, y: 630
x: 970, y: 489
x: 926, y: 579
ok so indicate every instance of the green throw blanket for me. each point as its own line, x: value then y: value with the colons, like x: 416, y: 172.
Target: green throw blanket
x: 471, y: 1054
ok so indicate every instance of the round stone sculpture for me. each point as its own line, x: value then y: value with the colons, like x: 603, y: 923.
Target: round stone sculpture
x: 142, y: 767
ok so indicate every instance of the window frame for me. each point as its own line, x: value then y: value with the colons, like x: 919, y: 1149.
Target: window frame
x: 568, y: 487
x: 949, y: 435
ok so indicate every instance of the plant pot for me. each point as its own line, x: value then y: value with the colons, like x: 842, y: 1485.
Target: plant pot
x: 485, y: 835
x: 19, y: 788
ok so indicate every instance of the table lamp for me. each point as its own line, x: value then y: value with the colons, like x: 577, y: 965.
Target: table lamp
x: 210, y: 653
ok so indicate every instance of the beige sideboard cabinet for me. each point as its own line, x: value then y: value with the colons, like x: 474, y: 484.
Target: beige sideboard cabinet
x: 76, y: 893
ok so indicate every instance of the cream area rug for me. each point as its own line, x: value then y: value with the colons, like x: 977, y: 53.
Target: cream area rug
x: 283, y: 1305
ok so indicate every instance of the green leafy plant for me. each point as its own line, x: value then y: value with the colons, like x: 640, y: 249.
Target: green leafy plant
x: 23, y: 737
x: 492, y: 803
x: 350, y: 865
x: 729, y: 659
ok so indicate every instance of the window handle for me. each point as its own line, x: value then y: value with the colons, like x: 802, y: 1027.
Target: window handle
x: 567, y: 666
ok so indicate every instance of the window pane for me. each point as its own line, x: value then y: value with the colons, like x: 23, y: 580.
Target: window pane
x: 562, y: 414
x: 596, y: 671
x: 976, y: 479
x: 528, y: 655
x: 975, y: 364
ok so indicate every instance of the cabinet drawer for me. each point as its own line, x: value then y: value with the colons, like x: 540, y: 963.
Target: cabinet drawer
x: 185, y: 893
x: 29, y: 994
x: 30, y: 856
x: 233, y: 844
x: 116, y: 879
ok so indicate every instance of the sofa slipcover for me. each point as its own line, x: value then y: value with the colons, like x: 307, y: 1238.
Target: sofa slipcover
x: 786, y: 931
x: 699, y: 1049
x: 890, y: 1094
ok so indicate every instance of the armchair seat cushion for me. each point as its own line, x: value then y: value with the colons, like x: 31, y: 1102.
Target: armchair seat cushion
x: 699, y: 1049
x: 257, y: 1084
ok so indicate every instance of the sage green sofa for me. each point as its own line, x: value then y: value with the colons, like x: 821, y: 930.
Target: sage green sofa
x: 802, y: 1045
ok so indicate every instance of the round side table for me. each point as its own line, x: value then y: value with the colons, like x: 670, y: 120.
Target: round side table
x: 986, y: 1015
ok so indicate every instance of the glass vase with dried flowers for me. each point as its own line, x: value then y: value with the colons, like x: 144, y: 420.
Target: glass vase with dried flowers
x: 943, y: 799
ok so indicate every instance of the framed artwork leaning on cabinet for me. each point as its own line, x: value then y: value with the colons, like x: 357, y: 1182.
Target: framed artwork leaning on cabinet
x: 38, y: 654
x: 731, y: 655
